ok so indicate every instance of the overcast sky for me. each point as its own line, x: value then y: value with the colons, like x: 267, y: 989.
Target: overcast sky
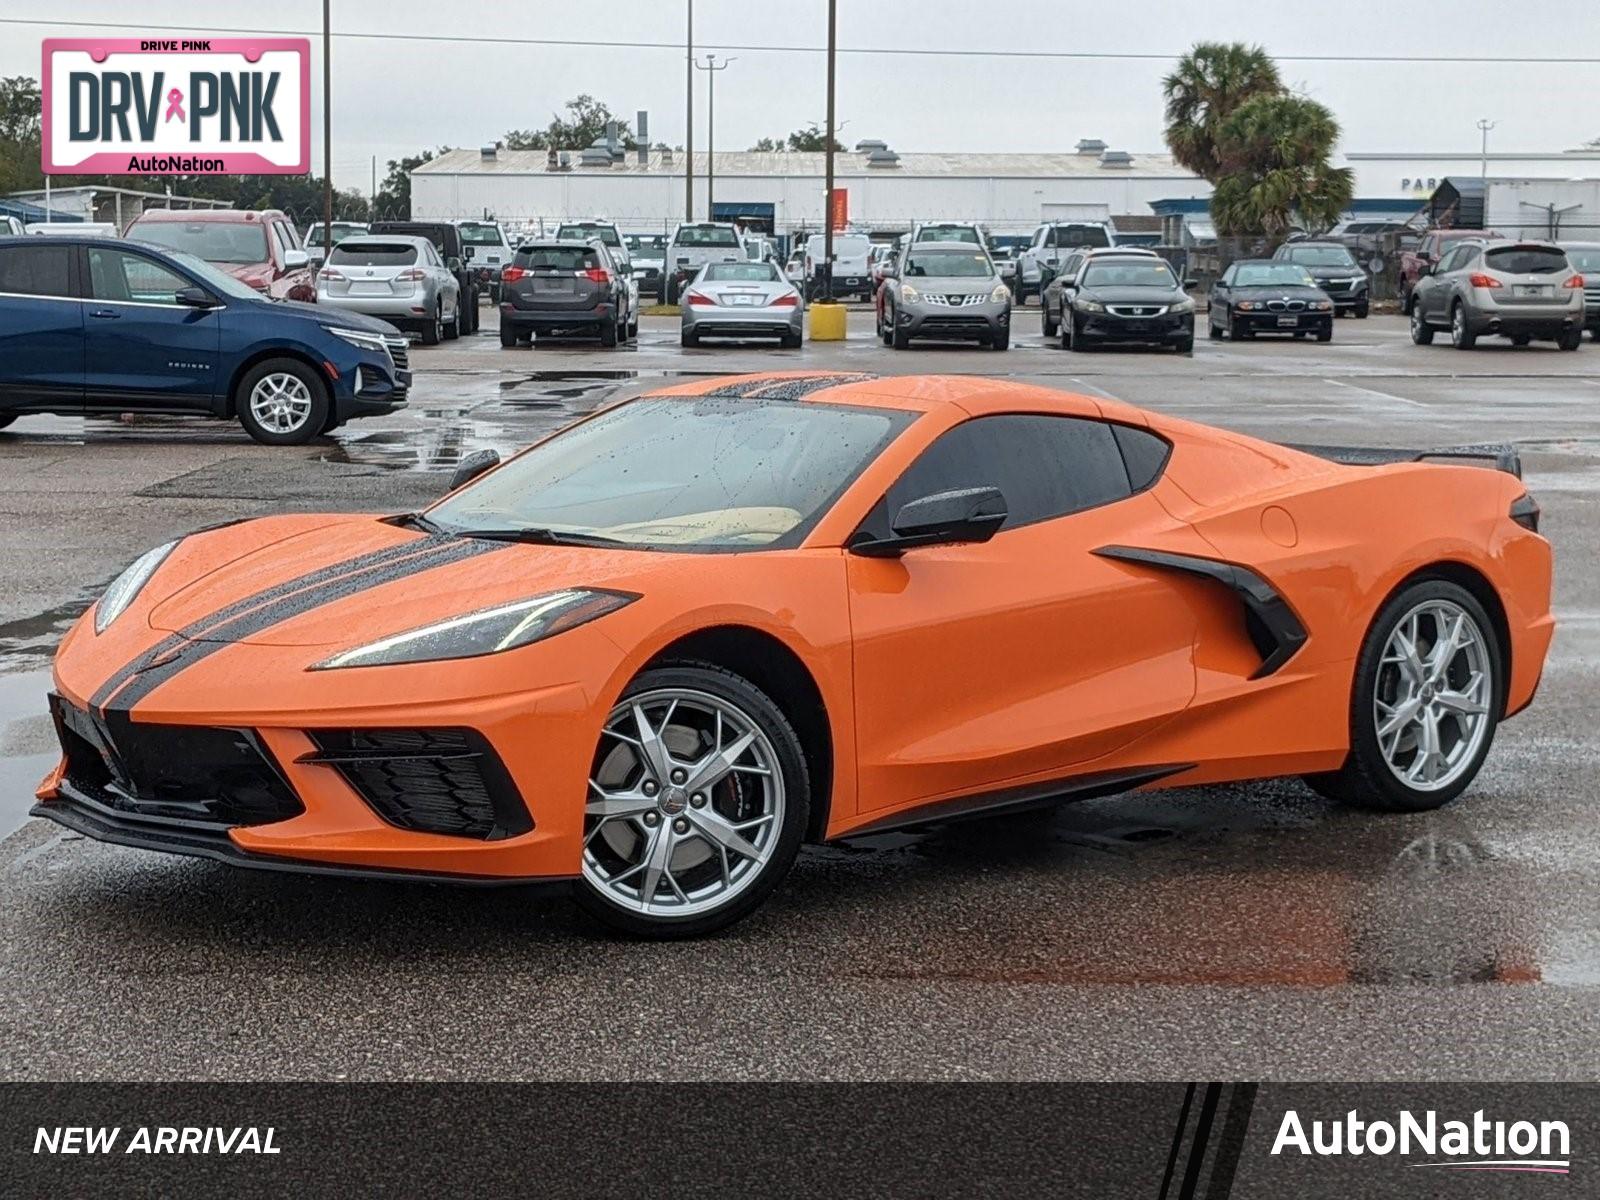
x: 393, y: 97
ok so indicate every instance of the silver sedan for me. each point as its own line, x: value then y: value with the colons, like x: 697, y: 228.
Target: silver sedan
x: 742, y: 299
x: 399, y: 278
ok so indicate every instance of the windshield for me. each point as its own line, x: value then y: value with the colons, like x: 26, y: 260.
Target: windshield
x: 1320, y: 256
x: 237, y: 243
x: 705, y: 235
x: 582, y: 231
x: 756, y: 272
x: 1585, y: 260
x: 647, y: 244
x: 948, y: 233
x: 373, y: 254
x: 1082, y: 235
x: 722, y: 474
x: 480, y: 233
x: 1273, y: 275
x: 948, y: 264
x: 218, y: 281
x: 1527, y: 260
x: 1145, y: 273
x: 341, y: 230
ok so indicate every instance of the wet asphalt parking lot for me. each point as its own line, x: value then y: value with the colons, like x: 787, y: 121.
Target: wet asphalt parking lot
x: 1252, y: 931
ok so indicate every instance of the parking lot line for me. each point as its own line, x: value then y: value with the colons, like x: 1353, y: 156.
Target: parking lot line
x: 1104, y: 395
x: 1374, y: 392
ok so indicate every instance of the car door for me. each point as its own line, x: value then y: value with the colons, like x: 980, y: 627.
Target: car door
x: 1425, y: 292
x: 1221, y: 293
x: 449, y: 290
x: 1442, y: 282
x: 1018, y: 659
x: 141, y: 345
x: 41, y: 328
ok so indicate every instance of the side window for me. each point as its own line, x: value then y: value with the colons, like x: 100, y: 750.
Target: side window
x: 1454, y: 260
x: 1143, y: 453
x: 1227, y: 277
x: 120, y: 275
x: 1039, y: 235
x: 41, y: 270
x: 1046, y: 466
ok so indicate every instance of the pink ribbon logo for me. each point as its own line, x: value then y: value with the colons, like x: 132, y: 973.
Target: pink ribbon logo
x: 175, y: 105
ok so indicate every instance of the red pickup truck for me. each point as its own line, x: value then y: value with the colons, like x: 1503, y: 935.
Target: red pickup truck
x: 261, y: 249
x: 1428, y: 253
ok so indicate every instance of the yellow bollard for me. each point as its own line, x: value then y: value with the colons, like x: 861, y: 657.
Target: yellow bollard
x: 827, y: 322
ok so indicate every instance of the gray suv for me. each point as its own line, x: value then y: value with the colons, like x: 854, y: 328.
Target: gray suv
x: 564, y: 287
x: 949, y: 290
x: 1516, y: 289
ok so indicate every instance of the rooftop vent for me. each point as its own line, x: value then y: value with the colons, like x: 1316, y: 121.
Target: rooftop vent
x: 1116, y: 158
x: 883, y: 158
x: 489, y: 153
x: 666, y: 156
x: 1091, y: 146
x: 597, y: 155
x: 867, y: 145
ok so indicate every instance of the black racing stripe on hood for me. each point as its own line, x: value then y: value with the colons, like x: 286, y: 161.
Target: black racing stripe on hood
x: 249, y: 603
x: 217, y: 636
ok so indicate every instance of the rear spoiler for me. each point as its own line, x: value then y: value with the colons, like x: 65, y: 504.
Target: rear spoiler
x: 1499, y: 455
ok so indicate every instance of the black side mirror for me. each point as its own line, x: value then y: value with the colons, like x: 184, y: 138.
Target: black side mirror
x: 473, y: 465
x: 1191, y: 282
x: 1425, y: 269
x: 942, y: 519
x: 195, y: 297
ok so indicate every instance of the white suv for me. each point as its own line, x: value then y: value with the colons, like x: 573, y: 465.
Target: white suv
x: 1053, y: 241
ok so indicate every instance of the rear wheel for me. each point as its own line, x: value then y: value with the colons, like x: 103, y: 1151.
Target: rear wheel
x: 1461, y: 336
x: 1570, y: 339
x: 1425, y: 702
x: 508, y: 335
x: 433, y: 327
x: 1421, y: 331
x: 698, y: 799
x: 791, y: 341
x: 608, y: 332
x: 688, y: 338
x: 282, y: 402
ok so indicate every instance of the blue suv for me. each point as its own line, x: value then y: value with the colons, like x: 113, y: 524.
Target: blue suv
x: 100, y: 325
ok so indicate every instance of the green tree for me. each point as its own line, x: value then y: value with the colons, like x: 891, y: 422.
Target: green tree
x: 812, y: 139
x: 393, y: 201
x: 583, y: 124
x: 1275, y: 153
x: 19, y: 134
x: 767, y: 145
x: 1207, y: 85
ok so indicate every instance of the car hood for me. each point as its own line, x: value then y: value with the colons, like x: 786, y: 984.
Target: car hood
x: 256, y: 275
x: 961, y: 285
x: 335, y: 317
x: 1278, y: 291
x: 1133, y: 295
x: 1350, y: 272
x: 345, y: 581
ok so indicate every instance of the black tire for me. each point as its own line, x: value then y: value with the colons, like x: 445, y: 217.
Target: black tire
x: 1366, y: 779
x: 1186, y: 346
x: 792, y: 341
x: 672, y: 291
x: 1461, y: 335
x: 1213, y: 330
x: 452, y: 327
x: 464, y: 324
x: 732, y: 689
x: 608, y: 332
x: 1001, y: 340
x: 433, y: 327
x: 1570, y: 339
x: 1237, y: 333
x: 474, y: 317
x: 886, y: 327
x: 1421, y: 331
x: 1361, y: 312
x: 1408, y: 301
x: 900, y: 339
x: 315, y: 418
x: 1325, y: 335
x: 1050, y: 326
x: 508, y: 335
x: 688, y: 339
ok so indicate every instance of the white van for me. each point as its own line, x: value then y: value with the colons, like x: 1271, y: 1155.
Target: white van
x: 851, y: 276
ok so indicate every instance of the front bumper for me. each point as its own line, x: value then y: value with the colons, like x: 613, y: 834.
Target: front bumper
x: 968, y: 322
x: 370, y: 383
x: 1162, y: 329
x: 1274, y: 322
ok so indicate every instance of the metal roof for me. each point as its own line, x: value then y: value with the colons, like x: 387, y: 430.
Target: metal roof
x: 765, y: 163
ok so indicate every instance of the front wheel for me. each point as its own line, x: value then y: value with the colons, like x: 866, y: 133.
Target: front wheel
x: 1326, y: 334
x: 900, y: 339
x: 1050, y: 326
x: 698, y: 800
x: 1001, y: 340
x: 282, y: 402
x: 1421, y: 331
x: 1426, y: 699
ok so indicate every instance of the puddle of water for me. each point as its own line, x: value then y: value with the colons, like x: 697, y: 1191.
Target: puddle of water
x: 28, y: 746
x: 30, y: 642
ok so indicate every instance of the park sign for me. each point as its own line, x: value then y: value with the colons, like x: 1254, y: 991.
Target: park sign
x: 170, y: 106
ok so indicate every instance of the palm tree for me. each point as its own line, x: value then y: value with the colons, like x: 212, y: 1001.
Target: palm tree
x: 1274, y: 156
x: 1210, y: 82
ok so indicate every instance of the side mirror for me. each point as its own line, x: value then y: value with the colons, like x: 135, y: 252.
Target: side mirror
x: 293, y: 260
x: 473, y: 465
x: 1191, y: 282
x: 195, y: 297
x: 942, y: 519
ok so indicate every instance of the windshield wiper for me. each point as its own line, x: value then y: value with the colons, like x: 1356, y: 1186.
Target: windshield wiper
x: 548, y: 537
x: 415, y: 520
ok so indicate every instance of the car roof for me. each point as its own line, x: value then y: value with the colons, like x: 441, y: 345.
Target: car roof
x: 558, y: 244
x: 224, y: 215
x: 1113, y: 251
x: 1501, y: 243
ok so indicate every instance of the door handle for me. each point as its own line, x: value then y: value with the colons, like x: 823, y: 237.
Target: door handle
x: 107, y: 314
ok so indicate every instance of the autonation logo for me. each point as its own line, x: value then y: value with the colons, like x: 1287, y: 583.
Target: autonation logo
x: 1479, y: 1144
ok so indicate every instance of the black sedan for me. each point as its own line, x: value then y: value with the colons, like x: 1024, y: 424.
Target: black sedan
x: 1256, y: 295
x: 1128, y: 301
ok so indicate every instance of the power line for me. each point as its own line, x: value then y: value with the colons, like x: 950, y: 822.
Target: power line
x: 904, y: 51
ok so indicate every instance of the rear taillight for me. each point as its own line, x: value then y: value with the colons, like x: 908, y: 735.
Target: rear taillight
x: 512, y: 274
x: 596, y: 275
x: 1575, y: 282
x: 1484, y: 281
x: 697, y: 298
x: 1525, y: 512
x: 329, y: 273
x: 786, y: 301
x: 410, y: 273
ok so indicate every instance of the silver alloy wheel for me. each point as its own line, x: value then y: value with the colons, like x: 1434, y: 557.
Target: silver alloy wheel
x: 1458, y: 325
x: 280, y: 402
x: 1417, y: 323
x: 1432, y: 700
x: 686, y: 804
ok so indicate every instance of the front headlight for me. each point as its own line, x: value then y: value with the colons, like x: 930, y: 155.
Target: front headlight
x: 907, y: 292
x: 1088, y: 306
x: 1182, y: 306
x: 1246, y: 306
x: 487, y: 631
x: 1000, y: 293
x: 126, y: 586
x: 359, y: 337
x: 1320, y: 305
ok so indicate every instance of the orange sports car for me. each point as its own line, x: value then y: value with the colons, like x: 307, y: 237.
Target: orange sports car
x: 655, y: 652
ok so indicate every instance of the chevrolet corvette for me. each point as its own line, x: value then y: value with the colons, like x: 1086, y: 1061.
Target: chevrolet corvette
x: 651, y: 655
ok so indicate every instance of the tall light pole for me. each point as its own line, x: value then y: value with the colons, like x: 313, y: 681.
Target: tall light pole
x: 688, y: 121
x: 1485, y: 125
x: 827, y: 148
x: 327, y: 134
x: 711, y: 68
